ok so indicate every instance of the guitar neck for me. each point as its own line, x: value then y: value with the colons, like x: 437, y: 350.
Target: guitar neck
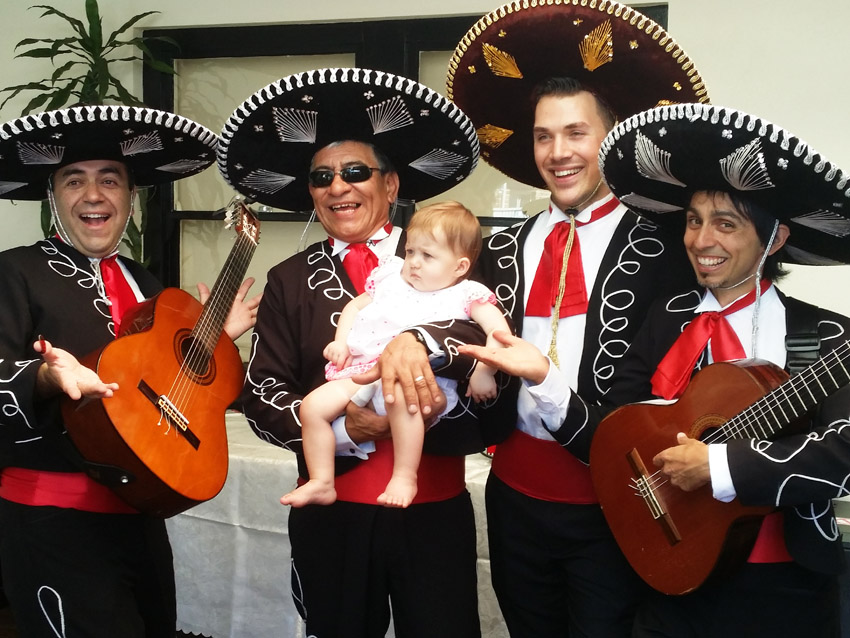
x: 793, y: 399
x: 211, y: 323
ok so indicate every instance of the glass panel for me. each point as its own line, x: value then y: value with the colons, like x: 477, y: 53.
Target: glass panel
x: 207, y: 91
x: 487, y: 192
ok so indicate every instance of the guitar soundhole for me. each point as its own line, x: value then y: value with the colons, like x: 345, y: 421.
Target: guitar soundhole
x: 196, y: 360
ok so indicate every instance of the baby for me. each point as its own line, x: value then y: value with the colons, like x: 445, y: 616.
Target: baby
x: 430, y: 284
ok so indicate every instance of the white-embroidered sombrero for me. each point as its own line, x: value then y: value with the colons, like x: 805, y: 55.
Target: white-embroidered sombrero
x: 270, y: 139
x: 157, y: 146
x: 613, y: 50
x: 655, y: 160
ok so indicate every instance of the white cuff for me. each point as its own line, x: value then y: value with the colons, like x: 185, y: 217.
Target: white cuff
x: 552, y: 397
x: 345, y: 446
x: 721, y: 478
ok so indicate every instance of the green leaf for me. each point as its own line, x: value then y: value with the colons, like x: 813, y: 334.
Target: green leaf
x: 35, y: 103
x: 123, y: 95
x: 162, y: 67
x: 30, y: 86
x: 28, y: 41
x: 76, y: 24
x: 95, y: 25
x: 46, y: 219
x: 165, y: 39
x: 103, y: 77
x: 59, y: 72
x: 37, y: 53
x: 60, y: 97
x: 15, y: 90
x: 127, y: 25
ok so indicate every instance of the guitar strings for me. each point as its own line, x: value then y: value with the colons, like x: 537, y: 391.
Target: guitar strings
x: 207, y: 331
x: 755, y: 420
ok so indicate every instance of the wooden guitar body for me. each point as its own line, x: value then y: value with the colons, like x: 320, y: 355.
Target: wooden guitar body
x: 160, y: 441
x: 676, y: 540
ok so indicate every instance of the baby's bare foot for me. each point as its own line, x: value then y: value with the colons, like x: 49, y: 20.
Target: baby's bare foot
x: 311, y: 493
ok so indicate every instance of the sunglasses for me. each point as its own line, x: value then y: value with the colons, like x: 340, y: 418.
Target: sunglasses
x: 323, y: 177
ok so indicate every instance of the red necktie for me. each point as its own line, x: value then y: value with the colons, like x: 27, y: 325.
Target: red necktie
x: 358, y: 263
x: 117, y: 290
x: 544, y: 289
x: 674, y: 372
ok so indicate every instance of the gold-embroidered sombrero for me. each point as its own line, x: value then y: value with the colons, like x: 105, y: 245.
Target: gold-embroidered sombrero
x: 655, y: 160
x: 157, y: 146
x: 617, y: 52
x: 269, y: 140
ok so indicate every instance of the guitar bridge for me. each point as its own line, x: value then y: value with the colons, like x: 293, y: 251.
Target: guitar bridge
x: 645, y: 490
x: 171, y: 413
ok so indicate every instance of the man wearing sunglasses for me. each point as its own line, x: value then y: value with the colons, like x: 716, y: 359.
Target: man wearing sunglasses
x: 348, y: 143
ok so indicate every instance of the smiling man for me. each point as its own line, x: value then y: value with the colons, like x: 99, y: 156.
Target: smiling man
x: 76, y: 559
x: 752, y: 196
x: 347, y: 143
x: 544, y: 83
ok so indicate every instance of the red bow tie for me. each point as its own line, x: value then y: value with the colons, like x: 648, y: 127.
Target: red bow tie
x: 674, y: 372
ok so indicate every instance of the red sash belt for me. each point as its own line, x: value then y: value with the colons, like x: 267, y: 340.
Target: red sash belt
x: 71, y: 490
x: 439, y: 477
x: 543, y: 470
x: 770, y: 542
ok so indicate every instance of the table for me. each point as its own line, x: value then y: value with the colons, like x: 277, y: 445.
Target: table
x: 231, y: 554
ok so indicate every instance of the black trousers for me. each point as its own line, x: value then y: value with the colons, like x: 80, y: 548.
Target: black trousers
x: 351, y: 561
x: 85, y: 575
x: 779, y: 600
x: 556, y: 568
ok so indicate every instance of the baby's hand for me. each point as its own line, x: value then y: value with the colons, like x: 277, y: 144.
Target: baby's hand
x: 337, y: 352
x: 482, y: 384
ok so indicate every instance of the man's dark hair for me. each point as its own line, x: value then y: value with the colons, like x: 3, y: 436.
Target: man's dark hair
x: 563, y: 86
x: 764, y: 223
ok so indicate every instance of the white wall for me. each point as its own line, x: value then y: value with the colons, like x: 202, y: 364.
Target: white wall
x: 780, y: 59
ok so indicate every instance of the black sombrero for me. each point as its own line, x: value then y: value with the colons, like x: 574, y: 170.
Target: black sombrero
x: 270, y: 139
x: 656, y: 159
x: 157, y: 146
x: 622, y: 55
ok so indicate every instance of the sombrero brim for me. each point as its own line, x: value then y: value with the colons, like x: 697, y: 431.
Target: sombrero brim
x: 269, y: 140
x: 619, y: 53
x: 654, y: 161
x: 157, y: 146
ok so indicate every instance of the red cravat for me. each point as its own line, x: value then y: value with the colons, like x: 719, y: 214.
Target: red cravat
x: 674, y: 372
x: 544, y: 289
x: 358, y: 263
x: 117, y: 290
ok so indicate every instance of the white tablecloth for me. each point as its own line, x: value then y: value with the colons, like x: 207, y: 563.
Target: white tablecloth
x: 231, y: 554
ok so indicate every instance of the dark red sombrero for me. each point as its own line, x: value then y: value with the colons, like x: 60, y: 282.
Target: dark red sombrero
x: 619, y: 53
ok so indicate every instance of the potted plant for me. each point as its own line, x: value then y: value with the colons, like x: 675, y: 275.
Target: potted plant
x: 83, y: 64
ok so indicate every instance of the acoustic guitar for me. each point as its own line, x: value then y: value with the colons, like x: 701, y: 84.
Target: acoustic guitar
x: 160, y: 441
x: 676, y: 540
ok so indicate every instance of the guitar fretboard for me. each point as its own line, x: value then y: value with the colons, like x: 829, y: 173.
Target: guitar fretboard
x: 211, y: 323
x: 791, y: 400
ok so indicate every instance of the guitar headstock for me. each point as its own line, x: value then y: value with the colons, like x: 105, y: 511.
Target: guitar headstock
x: 240, y: 215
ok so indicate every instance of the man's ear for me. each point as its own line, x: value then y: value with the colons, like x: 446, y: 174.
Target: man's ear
x: 392, y: 186
x: 782, y: 234
x: 462, y: 267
